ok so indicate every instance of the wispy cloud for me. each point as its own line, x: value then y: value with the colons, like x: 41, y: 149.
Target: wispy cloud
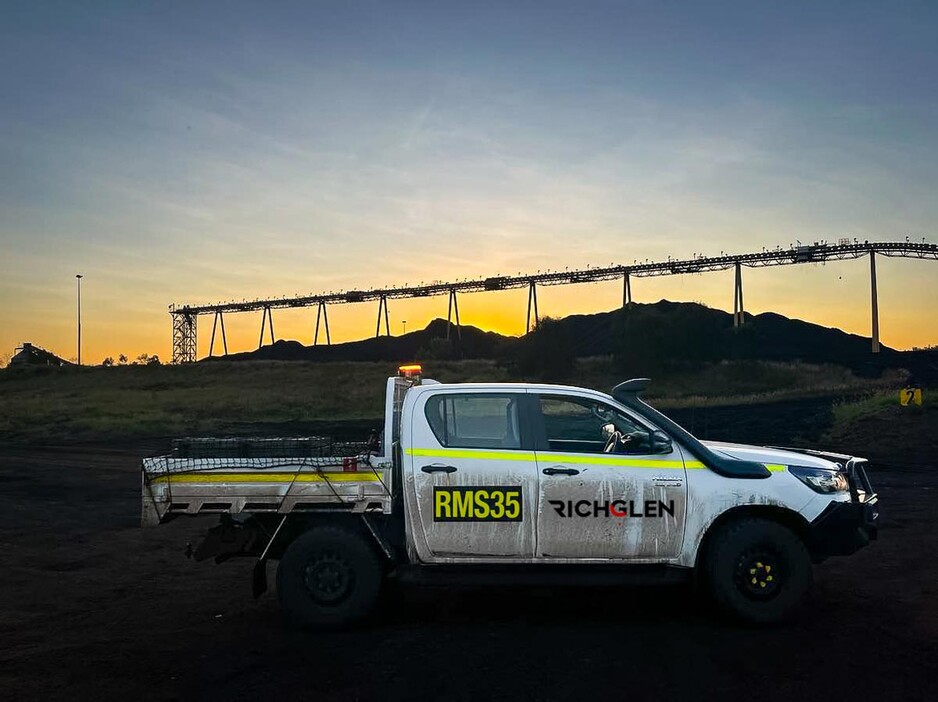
x: 205, y: 155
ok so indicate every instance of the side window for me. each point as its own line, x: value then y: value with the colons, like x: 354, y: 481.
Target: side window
x: 475, y: 420
x: 579, y: 425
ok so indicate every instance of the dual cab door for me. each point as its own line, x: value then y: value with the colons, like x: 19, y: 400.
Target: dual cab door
x: 526, y: 475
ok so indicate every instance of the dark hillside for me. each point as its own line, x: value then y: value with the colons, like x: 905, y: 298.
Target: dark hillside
x: 430, y: 342
x: 652, y: 337
x: 641, y: 337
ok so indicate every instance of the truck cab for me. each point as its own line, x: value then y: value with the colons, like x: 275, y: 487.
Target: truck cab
x: 536, y: 474
x: 535, y: 481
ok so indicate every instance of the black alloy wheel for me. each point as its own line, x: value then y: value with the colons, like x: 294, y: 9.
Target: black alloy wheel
x: 758, y: 575
x: 329, y: 576
x: 756, y: 569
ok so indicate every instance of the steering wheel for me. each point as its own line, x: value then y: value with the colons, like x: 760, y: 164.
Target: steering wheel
x: 615, y: 440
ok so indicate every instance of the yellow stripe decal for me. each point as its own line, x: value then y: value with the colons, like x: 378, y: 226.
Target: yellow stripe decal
x: 604, y: 459
x: 244, y: 477
x: 772, y: 467
x: 592, y: 459
x: 480, y: 454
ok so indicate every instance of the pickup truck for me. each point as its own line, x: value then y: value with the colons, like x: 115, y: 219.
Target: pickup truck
x: 520, y: 483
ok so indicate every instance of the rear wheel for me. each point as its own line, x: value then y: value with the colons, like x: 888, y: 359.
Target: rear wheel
x: 757, y: 570
x: 328, y: 577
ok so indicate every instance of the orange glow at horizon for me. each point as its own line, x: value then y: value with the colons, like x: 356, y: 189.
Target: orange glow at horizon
x: 836, y: 295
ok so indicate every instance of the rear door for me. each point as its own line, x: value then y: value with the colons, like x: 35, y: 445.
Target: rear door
x: 626, y: 504
x: 474, y: 474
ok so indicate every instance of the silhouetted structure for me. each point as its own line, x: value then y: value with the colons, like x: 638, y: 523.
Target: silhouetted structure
x: 185, y: 317
x: 30, y: 355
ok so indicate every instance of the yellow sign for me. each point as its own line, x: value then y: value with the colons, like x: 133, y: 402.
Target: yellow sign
x: 477, y: 504
x: 910, y: 396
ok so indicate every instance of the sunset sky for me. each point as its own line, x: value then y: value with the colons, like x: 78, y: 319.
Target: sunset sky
x: 199, y: 152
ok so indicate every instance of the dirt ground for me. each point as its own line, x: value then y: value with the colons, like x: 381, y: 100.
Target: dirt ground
x: 94, y: 607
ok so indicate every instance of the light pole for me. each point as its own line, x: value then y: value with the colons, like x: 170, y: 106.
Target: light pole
x: 79, y: 318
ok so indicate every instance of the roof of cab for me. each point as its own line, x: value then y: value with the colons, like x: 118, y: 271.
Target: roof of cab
x: 511, y: 387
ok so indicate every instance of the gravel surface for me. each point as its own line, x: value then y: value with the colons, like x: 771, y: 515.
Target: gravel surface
x: 93, y: 606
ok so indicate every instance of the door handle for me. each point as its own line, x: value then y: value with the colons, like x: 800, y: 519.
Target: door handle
x: 560, y: 471
x: 438, y: 468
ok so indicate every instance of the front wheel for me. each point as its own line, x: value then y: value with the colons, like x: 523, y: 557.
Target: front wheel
x: 328, y: 577
x: 757, y: 570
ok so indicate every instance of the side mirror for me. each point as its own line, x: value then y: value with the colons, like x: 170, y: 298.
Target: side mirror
x: 660, y: 442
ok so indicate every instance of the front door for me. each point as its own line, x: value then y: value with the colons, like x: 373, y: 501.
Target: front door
x: 475, y: 476
x: 603, y: 492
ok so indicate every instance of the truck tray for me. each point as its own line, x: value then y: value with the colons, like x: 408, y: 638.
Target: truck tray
x: 211, y: 476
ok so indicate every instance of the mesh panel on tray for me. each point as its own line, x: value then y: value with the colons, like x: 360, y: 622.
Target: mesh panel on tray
x: 311, y: 452
x: 259, y: 447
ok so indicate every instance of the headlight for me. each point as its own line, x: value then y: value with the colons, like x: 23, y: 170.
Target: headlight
x: 821, y: 480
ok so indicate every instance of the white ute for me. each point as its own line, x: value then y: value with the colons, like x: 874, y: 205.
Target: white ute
x: 524, y: 483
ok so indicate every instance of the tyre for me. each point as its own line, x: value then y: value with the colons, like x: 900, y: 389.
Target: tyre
x: 757, y: 570
x: 328, y: 577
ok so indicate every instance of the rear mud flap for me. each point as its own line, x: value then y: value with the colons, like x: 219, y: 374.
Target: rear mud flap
x: 227, y: 540
x: 259, y: 580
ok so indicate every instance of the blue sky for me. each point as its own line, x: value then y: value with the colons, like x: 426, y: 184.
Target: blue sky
x: 192, y: 152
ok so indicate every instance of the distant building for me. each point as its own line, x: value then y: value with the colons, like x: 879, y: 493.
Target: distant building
x: 30, y: 355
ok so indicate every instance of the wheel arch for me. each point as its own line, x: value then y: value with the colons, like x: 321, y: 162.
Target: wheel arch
x: 781, y: 515
x: 375, y: 531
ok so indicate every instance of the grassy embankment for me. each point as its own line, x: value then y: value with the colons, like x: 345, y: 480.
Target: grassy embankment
x: 45, y: 404
x: 877, y: 427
